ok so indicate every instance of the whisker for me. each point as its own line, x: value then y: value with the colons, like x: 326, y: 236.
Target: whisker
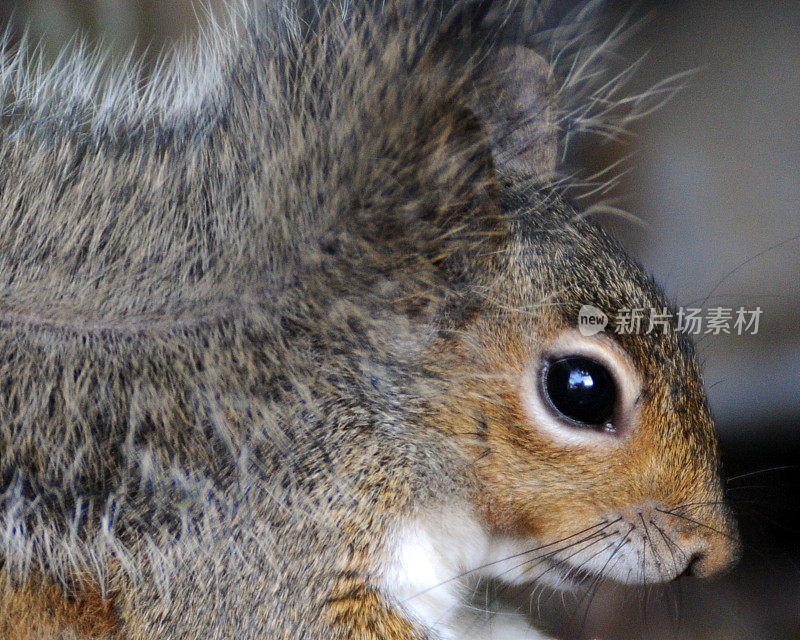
x: 675, y: 611
x: 539, y: 559
x: 751, y: 487
x: 656, y: 556
x: 670, y: 545
x: 744, y: 263
x: 560, y: 562
x: 643, y: 606
x: 556, y: 564
x: 760, y: 471
x: 600, y: 574
x: 698, y: 523
x: 511, y: 557
x: 700, y: 503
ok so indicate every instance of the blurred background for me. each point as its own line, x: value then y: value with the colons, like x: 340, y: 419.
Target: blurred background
x: 714, y: 177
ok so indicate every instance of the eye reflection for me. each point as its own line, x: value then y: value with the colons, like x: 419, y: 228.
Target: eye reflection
x: 578, y: 378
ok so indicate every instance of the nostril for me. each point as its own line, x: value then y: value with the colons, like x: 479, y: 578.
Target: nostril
x: 709, y: 561
x: 693, y: 566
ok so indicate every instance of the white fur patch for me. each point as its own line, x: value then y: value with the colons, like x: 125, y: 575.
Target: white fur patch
x: 500, y: 626
x: 428, y: 574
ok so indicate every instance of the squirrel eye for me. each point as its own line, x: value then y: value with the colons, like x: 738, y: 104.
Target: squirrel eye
x: 580, y: 389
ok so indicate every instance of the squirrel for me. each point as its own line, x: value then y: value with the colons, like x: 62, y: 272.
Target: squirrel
x: 291, y: 349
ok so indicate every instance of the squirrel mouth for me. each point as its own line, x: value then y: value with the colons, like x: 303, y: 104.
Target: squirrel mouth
x: 565, y: 577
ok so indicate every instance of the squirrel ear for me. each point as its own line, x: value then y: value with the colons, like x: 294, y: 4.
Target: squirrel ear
x: 512, y: 95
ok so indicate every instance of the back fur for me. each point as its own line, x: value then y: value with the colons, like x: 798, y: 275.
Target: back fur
x: 187, y: 286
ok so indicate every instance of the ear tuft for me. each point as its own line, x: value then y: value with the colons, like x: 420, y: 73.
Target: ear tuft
x: 514, y: 98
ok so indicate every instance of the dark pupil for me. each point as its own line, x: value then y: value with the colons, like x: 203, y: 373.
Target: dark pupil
x: 581, y: 389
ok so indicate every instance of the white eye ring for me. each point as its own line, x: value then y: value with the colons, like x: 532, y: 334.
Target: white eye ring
x: 606, y: 352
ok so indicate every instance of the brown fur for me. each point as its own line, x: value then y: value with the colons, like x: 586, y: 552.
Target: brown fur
x: 354, y: 610
x: 43, y: 610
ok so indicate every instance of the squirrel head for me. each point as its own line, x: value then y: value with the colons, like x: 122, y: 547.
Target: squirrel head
x: 598, y: 449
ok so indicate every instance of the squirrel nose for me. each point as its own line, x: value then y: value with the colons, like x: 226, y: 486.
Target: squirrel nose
x: 716, y: 554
